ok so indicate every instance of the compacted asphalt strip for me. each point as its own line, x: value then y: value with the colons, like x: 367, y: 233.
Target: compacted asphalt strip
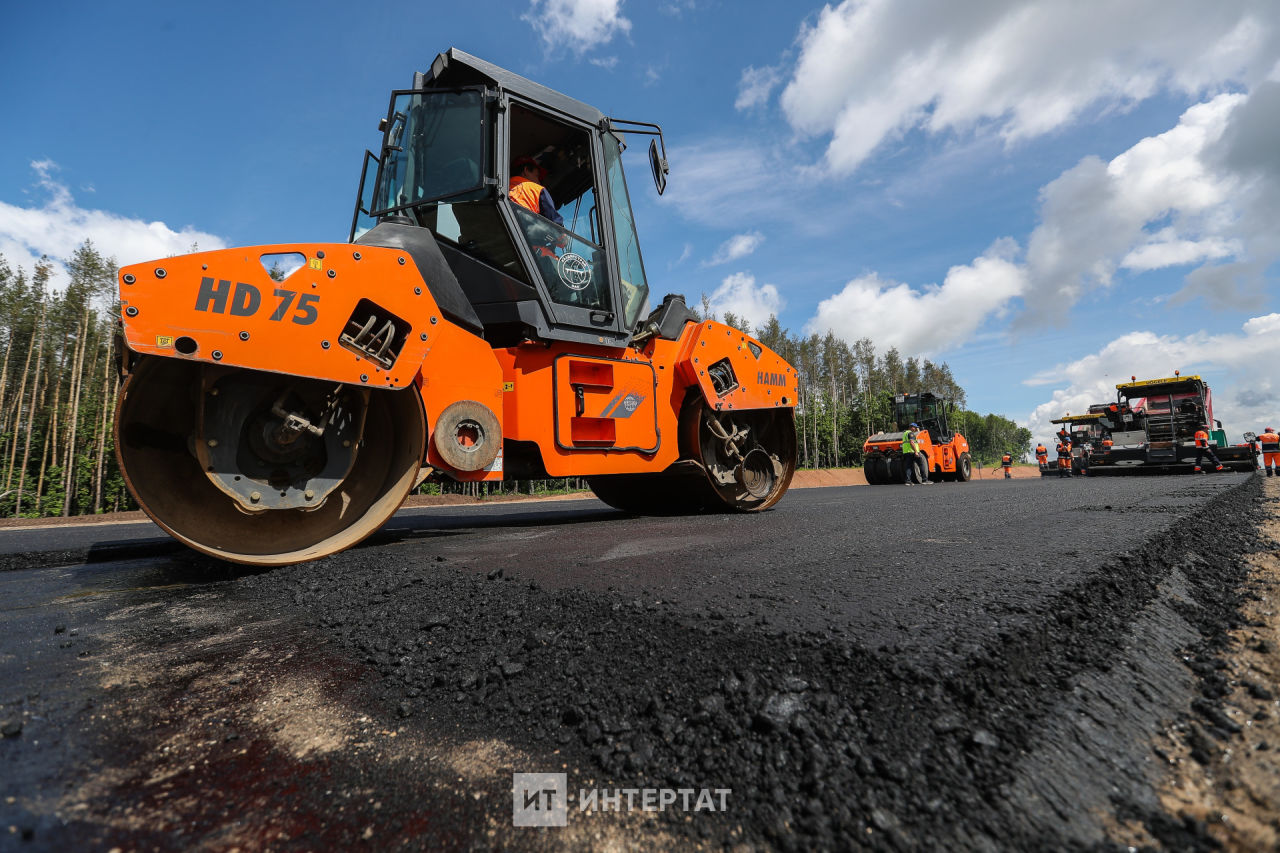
x: 976, y: 666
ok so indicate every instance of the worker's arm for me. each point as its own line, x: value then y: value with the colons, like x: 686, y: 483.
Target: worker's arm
x: 548, y: 208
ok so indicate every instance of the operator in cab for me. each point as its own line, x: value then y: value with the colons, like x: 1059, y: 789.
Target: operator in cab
x: 526, y: 189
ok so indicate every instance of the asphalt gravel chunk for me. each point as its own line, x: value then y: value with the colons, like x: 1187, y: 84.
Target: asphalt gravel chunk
x: 831, y: 726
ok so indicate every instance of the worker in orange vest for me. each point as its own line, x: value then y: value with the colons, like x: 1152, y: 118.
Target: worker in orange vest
x: 1203, y: 448
x: 1064, y: 458
x: 1107, y: 443
x: 1042, y: 456
x: 1006, y: 462
x: 526, y: 190
x: 1270, y: 450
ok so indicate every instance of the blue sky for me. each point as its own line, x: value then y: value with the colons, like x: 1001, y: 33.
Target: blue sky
x: 1048, y: 196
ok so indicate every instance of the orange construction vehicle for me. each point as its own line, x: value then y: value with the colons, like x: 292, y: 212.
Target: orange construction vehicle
x: 279, y: 402
x: 947, y: 452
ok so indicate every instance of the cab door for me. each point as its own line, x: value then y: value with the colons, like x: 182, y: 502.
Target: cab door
x: 569, y: 261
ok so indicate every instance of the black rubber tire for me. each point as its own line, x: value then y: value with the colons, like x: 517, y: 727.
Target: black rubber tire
x: 964, y: 468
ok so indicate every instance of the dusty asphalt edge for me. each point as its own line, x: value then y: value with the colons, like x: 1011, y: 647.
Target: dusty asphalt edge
x: 1038, y: 736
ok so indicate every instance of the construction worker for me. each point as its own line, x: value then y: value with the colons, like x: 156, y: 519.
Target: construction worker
x: 1006, y: 462
x: 1203, y: 448
x: 1042, y: 456
x: 908, y: 456
x: 912, y: 466
x: 526, y: 189
x: 922, y: 460
x: 1064, y: 436
x: 1270, y: 444
x: 1064, y: 457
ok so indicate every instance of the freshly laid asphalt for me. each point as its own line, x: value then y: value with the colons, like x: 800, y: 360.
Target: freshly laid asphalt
x: 886, y: 667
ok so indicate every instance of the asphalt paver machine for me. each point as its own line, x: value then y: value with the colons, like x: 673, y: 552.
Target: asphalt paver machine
x: 1153, y: 424
x: 1087, y: 432
x: 280, y: 401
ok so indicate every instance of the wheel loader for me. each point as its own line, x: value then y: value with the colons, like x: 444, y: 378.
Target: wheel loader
x: 280, y: 401
x: 947, y: 451
x: 1152, y: 426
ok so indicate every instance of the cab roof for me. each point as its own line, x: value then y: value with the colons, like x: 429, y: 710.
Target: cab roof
x: 456, y: 68
x: 1166, y: 385
x: 1070, y: 419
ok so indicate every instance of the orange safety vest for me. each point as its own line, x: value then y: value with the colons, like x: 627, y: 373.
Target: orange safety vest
x: 1268, y: 441
x: 525, y: 193
x: 1006, y: 460
x: 1106, y: 442
x: 1041, y: 452
x: 1202, y: 438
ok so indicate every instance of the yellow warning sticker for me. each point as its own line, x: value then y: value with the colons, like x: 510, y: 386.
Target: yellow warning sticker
x: 316, y: 264
x: 164, y: 340
x: 508, y: 386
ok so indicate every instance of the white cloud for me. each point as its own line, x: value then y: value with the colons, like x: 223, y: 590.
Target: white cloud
x: 1206, y: 188
x: 756, y: 85
x: 58, y: 226
x: 737, y: 246
x: 1245, y: 397
x: 870, y: 71
x: 924, y: 321
x: 739, y: 294
x: 578, y: 25
x: 1165, y: 250
x: 716, y: 183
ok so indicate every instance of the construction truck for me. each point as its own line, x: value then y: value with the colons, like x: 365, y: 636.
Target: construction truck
x: 1152, y: 427
x: 947, y: 452
x: 280, y: 401
x: 1087, y: 433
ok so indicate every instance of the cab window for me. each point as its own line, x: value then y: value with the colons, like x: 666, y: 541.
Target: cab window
x: 569, y: 254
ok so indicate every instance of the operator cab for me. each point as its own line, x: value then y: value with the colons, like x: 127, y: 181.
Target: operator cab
x: 926, y: 409
x: 1171, y: 409
x: 446, y: 168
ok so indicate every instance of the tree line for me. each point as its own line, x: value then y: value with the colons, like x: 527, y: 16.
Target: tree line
x: 847, y: 391
x: 59, y: 387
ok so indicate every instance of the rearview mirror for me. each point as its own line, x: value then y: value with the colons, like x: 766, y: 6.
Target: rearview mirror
x: 658, y: 164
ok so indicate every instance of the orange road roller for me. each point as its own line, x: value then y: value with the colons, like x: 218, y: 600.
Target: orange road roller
x: 280, y: 402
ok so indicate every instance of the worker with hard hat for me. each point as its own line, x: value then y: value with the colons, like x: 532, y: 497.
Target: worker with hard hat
x: 1204, y: 448
x: 1042, y: 456
x: 526, y: 190
x: 1064, y: 457
x: 913, y: 466
x: 1270, y: 444
x: 1006, y: 462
